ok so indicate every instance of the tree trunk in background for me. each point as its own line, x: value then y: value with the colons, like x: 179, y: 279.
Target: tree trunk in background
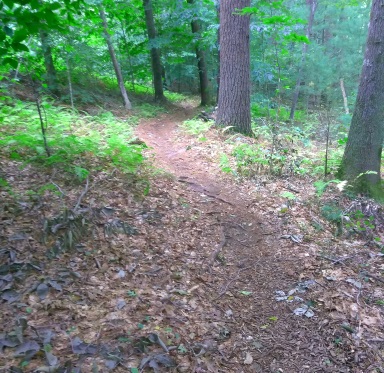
x: 70, y: 82
x: 116, y: 66
x: 345, y: 98
x: 234, y: 107
x: 51, y: 76
x: 218, y: 48
x: 366, y: 134
x: 155, y: 52
x: 201, y: 65
x: 312, y: 9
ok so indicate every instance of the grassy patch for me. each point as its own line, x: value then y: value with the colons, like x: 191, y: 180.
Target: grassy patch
x: 76, y: 142
x: 150, y: 110
x: 196, y: 127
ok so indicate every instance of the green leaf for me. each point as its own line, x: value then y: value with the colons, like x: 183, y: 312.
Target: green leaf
x: 246, y: 293
x: 181, y: 349
x: 81, y: 173
x: 124, y: 339
x: 9, y: 3
x: 10, y: 61
x: 20, y: 35
x: 55, y: 6
x: 134, y: 370
x: 20, y: 47
x: 293, y: 37
x: 34, y: 4
x: 8, y: 31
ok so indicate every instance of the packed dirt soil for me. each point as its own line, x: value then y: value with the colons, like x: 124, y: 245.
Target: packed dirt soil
x: 203, y: 274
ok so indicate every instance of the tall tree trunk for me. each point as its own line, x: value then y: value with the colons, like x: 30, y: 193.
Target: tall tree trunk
x: 234, y: 91
x: 366, y: 134
x: 155, y: 52
x: 51, y: 76
x: 70, y: 82
x: 218, y: 48
x: 295, y: 98
x: 201, y: 65
x: 116, y: 66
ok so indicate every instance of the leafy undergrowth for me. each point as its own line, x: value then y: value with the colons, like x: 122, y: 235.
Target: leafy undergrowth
x: 75, y: 142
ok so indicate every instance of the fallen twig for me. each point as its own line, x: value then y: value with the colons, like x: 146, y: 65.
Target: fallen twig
x: 83, y: 193
x: 366, y: 274
x: 203, y: 189
x: 97, y: 263
x: 220, y: 247
x: 60, y: 190
x: 335, y: 261
x: 291, y: 189
x: 218, y: 198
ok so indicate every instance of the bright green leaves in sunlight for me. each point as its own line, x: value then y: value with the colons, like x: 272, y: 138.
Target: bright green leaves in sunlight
x: 22, y: 19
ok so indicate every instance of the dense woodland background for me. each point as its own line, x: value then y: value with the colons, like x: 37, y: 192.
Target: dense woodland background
x: 302, y: 58
x: 69, y: 38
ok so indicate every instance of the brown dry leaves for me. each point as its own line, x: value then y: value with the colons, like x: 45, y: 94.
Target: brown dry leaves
x: 145, y: 268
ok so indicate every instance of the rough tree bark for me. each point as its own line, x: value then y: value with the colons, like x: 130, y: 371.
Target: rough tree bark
x: 155, y: 52
x: 234, y: 92
x: 366, y: 134
x: 312, y: 9
x: 201, y: 65
x: 51, y: 76
x: 116, y: 66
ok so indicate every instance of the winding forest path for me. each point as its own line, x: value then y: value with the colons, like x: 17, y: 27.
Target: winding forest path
x: 246, y: 328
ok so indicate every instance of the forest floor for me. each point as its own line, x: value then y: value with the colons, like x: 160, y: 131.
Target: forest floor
x: 206, y: 273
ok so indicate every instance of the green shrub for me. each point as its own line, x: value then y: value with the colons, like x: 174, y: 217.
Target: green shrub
x: 150, y: 111
x: 196, y: 126
x: 250, y: 159
x: 332, y: 213
x: 174, y: 96
x: 280, y: 114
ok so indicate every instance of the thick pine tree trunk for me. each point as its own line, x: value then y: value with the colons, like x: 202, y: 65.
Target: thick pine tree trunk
x: 366, y: 135
x: 157, y: 67
x: 51, y: 76
x: 234, y: 91
x: 116, y: 66
x: 295, y: 98
x: 201, y: 65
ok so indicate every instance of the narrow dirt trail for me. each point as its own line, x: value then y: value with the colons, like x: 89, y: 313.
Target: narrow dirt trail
x: 241, y: 275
